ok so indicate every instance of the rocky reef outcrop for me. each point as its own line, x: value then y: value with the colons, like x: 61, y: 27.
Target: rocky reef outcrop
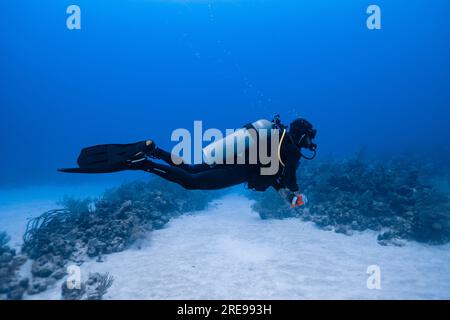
x: 394, y: 197
x: 87, y: 228
x: 94, y: 288
x: 11, y: 285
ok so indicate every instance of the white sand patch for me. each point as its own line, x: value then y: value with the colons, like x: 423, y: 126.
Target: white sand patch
x: 228, y: 252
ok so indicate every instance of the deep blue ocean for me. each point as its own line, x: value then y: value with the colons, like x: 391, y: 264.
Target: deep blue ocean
x: 370, y: 218
x: 139, y: 69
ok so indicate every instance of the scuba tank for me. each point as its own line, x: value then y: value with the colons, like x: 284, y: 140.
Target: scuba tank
x: 237, y: 143
x: 242, y: 140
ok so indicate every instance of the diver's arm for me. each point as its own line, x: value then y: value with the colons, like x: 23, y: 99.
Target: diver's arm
x: 290, y: 170
x: 291, y: 193
x: 295, y: 199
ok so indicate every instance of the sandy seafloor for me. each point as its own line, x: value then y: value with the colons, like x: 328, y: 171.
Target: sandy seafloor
x: 228, y: 252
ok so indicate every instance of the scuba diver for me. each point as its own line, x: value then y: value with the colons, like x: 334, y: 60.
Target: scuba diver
x: 208, y: 175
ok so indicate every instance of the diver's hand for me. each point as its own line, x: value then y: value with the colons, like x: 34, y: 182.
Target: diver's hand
x: 298, y: 200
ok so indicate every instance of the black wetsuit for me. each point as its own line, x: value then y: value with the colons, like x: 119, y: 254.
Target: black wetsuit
x: 205, y: 177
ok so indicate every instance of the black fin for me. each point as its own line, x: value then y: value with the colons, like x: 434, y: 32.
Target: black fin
x: 107, y: 158
x: 105, y: 154
x: 97, y: 169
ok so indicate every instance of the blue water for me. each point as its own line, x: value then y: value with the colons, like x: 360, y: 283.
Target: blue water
x: 139, y: 69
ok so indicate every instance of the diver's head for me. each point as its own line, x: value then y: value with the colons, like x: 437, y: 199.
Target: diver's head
x: 303, y: 134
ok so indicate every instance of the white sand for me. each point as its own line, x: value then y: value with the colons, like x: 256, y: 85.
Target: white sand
x: 228, y: 252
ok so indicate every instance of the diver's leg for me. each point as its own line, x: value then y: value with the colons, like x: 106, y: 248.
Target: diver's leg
x: 220, y: 178
x: 169, y: 158
x: 171, y: 173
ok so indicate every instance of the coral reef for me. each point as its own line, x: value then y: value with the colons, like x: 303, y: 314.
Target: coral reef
x: 395, y: 197
x: 11, y: 286
x: 98, y: 285
x: 391, y: 197
x: 90, y: 229
x: 94, y: 288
